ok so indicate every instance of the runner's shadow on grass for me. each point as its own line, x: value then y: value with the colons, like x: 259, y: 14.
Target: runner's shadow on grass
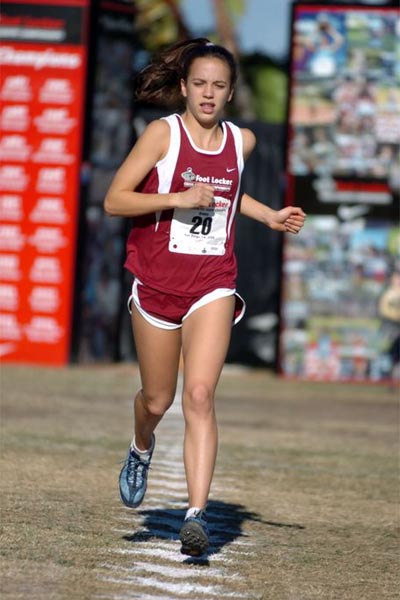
x: 225, y: 523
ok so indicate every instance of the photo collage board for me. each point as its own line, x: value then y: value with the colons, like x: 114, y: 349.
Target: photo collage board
x: 340, y: 309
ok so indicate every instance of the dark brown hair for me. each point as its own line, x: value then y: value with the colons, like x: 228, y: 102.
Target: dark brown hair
x: 159, y: 82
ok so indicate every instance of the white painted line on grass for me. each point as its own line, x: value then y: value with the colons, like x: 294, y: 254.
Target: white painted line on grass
x: 182, y: 589
x: 174, y: 572
x: 174, y: 556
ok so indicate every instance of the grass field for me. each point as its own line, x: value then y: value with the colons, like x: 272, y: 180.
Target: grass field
x: 304, y: 503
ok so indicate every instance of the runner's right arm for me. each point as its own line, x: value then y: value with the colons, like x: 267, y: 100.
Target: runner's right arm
x: 123, y: 201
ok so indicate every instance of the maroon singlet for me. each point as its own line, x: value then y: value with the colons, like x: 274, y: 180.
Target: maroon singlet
x: 189, y: 251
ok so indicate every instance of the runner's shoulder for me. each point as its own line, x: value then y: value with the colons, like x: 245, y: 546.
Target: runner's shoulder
x: 156, y: 135
x: 249, y: 142
x: 158, y: 128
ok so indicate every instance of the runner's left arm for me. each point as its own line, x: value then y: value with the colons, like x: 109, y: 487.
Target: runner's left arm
x: 289, y: 219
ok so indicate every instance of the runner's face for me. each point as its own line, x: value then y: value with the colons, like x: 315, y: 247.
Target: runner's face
x: 207, y: 88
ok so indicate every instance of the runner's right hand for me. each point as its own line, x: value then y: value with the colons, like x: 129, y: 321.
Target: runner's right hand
x: 200, y: 195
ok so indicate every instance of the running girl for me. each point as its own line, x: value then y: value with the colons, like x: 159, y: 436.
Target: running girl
x: 180, y: 183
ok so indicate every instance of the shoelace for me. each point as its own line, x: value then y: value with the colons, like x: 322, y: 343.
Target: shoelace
x: 136, y: 469
x: 201, y: 516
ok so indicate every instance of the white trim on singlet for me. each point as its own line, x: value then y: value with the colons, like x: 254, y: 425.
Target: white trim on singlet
x: 201, y: 150
x: 166, y: 166
x: 238, y: 138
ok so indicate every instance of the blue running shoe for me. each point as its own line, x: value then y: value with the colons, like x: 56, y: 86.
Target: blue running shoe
x: 194, y: 535
x: 133, y: 477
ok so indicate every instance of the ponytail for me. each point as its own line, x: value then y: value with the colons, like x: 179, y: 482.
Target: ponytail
x: 160, y: 82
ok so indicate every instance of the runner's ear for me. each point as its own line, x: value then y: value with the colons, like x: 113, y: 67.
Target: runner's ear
x: 183, y: 88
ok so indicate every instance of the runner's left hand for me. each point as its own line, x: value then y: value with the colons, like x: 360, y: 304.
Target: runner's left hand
x: 289, y: 219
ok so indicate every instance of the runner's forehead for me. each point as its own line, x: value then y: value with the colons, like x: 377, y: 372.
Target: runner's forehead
x: 210, y: 69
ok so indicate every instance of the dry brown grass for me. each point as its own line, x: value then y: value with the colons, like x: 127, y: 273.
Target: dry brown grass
x: 317, y: 463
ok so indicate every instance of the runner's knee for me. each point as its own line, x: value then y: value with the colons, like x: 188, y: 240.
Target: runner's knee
x: 198, y: 399
x: 157, y: 403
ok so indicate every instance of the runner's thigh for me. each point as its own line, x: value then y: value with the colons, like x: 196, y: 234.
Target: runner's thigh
x: 205, y: 340
x: 158, y: 352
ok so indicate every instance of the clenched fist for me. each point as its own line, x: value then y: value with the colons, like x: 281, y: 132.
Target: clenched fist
x: 290, y: 219
x: 200, y: 195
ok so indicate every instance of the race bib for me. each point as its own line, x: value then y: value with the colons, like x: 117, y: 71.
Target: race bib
x: 200, y: 230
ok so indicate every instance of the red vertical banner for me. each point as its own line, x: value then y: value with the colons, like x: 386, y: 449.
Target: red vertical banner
x: 43, y: 76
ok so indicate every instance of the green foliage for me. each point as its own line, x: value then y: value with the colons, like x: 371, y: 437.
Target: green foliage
x: 269, y: 85
x: 156, y: 24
